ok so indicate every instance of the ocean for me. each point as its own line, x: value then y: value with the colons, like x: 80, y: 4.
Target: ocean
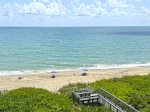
x: 27, y: 50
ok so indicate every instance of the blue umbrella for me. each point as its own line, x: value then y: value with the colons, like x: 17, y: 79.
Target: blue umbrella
x: 84, y: 69
x: 53, y: 72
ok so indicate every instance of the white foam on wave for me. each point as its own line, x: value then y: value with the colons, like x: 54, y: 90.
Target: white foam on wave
x: 25, y: 72
x: 95, y: 67
x: 102, y: 66
x: 8, y: 73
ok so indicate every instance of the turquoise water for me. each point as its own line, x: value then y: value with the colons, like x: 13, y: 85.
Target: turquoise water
x: 45, y: 49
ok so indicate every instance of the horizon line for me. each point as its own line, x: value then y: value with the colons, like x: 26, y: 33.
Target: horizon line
x: 69, y: 26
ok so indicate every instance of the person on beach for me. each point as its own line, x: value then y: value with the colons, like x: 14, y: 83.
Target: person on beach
x: 53, y: 74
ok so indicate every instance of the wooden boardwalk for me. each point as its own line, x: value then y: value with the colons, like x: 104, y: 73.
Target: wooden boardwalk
x: 101, y: 97
x: 126, y: 107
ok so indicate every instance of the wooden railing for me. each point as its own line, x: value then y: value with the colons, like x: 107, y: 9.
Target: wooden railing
x: 100, y: 96
x: 109, y: 104
x: 111, y: 98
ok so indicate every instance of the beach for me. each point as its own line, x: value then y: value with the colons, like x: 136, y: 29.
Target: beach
x: 63, y: 78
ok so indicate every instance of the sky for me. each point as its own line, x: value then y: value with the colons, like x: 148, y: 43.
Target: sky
x: 51, y: 13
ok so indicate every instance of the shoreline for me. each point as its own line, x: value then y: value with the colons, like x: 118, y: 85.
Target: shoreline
x: 96, y: 67
x: 63, y: 78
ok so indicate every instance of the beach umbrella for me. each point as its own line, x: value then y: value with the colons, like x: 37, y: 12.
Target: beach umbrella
x: 84, y: 69
x: 53, y: 72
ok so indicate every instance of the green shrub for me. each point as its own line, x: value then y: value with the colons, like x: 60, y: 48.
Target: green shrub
x: 40, y: 100
x: 31, y: 99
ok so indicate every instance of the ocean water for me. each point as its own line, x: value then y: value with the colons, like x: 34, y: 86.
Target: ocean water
x: 25, y: 50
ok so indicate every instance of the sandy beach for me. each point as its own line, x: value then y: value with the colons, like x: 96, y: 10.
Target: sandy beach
x: 63, y: 78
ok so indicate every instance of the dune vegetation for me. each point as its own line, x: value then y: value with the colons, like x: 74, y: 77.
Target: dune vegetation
x: 40, y: 100
x: 135, y: 90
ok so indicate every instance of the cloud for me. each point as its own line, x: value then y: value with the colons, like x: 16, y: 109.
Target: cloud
x: 43, y: 7
x: 77, y: 8
x: 95, y: 9
x: 6, y: 10
x: 120, y: 8
x: 138, y: 0
x: 117, y: 3
x: 109, y: 8
x: 119, y: 12
x: 144, y: 11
